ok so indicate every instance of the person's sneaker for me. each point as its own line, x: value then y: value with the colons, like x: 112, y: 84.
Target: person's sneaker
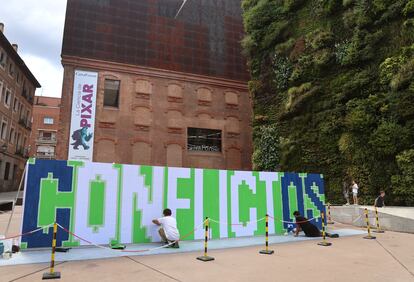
x: 174, y: 246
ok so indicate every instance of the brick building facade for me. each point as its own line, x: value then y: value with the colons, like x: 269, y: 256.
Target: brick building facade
x: 17, y: 88
x: 43, y: 139
x: 170, y: 91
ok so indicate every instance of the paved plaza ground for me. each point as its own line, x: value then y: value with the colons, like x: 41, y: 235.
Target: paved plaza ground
x: 389, y: 258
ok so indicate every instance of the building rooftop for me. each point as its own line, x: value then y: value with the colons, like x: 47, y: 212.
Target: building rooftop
x: 46, y: 101
x: 8, y: 47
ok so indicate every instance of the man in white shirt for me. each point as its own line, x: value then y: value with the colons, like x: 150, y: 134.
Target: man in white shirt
x: 355, y: 192
x: 168, y: 228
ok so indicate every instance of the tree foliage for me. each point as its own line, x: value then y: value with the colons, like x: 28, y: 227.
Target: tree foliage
x: 333, y: 89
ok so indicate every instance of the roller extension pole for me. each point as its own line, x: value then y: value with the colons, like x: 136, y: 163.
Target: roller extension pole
x: 52, y: 274
x: 324, y: 242
x: 205, y: 257
x: 267, y: 251
x: 368, y: 227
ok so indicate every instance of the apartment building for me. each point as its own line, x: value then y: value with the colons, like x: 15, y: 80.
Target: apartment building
x: 43, y: 138
x: 17, y: 88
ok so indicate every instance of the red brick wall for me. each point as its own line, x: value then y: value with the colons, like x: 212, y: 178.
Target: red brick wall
x: 151, y: 128
x: 44, y: 107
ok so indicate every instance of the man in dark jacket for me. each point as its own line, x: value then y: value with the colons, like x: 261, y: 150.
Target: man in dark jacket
x: 303, y: 224
x: 379, y: 201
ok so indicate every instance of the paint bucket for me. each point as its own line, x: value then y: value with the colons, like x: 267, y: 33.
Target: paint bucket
x: 7, y: 255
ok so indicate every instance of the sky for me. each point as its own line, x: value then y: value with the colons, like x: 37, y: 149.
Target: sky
x: 37, y: 28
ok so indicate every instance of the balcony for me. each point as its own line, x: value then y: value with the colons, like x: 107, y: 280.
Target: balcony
x: 45, y: 156
x: 29, y: 125
x: 26, y: 124
x: 46, y: 140
x: 22, y: 121
x: 20, y: 151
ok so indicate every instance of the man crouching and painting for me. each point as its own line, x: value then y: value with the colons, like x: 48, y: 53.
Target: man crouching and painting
x: 168, y: 229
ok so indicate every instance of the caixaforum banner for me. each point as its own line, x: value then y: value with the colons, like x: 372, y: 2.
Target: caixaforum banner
x: 106, y: 203
x: 82, y: 124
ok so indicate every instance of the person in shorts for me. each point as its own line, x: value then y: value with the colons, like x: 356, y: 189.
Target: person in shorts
x: 355, y: 189
x: 168, y: 229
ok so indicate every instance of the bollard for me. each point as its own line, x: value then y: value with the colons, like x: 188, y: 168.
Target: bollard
x: 324, y: 242
x: 52, y: 274
x: 368, y: 227
x: 329, y: 215
x: 205, y: 257
x: 379, y: 230
x: 267, y: 251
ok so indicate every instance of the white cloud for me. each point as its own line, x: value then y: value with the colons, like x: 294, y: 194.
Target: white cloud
x: 37, y: 27
x: 49, y: 75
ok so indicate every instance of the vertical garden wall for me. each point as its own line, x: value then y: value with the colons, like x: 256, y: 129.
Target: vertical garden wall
x: 333, y: 89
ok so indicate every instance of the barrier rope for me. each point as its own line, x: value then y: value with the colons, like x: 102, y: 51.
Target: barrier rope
x: 294, y: 222
x: 130, y: 251
x: 235, y: 224
x: 26, y: 233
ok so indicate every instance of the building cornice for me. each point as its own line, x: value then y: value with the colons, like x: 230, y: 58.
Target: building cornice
x: 92, y: 64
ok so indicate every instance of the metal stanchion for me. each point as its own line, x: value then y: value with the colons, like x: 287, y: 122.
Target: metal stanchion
x: 205, y: 257
x: 329, y: 215
x: 379, y: 230
x: 324, y: 242
x: 52, y: 274
x: 267, y: 251
x: 368, y: 227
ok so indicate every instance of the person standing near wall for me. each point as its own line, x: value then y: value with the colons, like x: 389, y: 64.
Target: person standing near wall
x: 345, y: 191
x: 355, y: 189
x: 379, y: 201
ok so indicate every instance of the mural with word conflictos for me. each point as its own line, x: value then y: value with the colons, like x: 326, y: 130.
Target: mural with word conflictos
x: 115, y: 203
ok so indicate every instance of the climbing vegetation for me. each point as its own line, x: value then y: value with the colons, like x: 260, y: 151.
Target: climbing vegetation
x: 333, y: 89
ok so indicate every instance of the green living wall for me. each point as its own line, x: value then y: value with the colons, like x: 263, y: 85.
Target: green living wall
x: 333, y: 89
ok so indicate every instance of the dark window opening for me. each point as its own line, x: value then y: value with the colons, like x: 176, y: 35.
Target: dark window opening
x: 111, y: 93
x: 205, y: 140
x: 14, y: 171
x: 7, y: 171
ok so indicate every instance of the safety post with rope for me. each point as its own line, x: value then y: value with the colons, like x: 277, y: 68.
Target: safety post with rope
x: 324, y: 242
x: 369, y: 236
x: 52, y: 274
x: 266, y: 251
x: 378, y: 230
x: 205, y: 257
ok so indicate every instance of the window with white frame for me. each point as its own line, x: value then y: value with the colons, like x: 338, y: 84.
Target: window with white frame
x: 7, y: 98
x: 11, y: 135
x: 18, y: 77
x: 15, y: 104
x: 3, y: 129
x: 18, y: 138
x: 48, y: 120
x: 21, y: 110
x: 24, y: 90
x: 11, y: 69
x: 1, y: 89
x: 2, y: 58
x: 28, y: 119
